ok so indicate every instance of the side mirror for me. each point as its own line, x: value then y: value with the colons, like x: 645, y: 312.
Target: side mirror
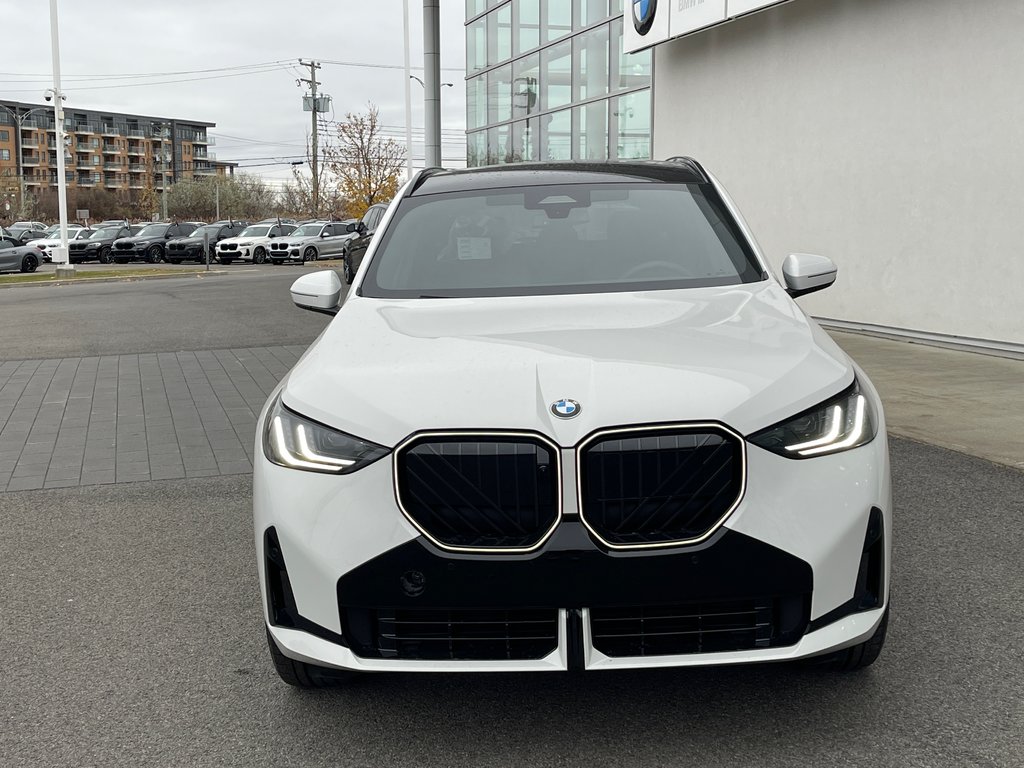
x: 324, y: 234
x: 272, y: 235
x: 318, y: 292
x: 805, y: 273
x: 356, y: 226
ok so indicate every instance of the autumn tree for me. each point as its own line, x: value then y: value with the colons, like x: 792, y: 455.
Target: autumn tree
x: 366, y: 163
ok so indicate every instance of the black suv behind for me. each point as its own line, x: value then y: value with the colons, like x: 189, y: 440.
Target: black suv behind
x: 191, y: 248
x: 98, y: 244
x: 150, y: 243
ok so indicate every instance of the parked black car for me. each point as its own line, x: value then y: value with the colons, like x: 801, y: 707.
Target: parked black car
x: 149, y: 244
x: 98, y: 244
x: 16, y: 256
x: 365, y: 228
x: 191, y: 248
x: 23, y: 234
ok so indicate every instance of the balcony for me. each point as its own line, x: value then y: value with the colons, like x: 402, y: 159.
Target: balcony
x: 84, y: 165
x: 30, y: 143
x: 137, y: 151
x: 113, y: 167
x: 136, y: 184
x: 110, y: 149
x: 37, y: 181
x: 84, y: 128
x: 27, y: 160
x: 86, y: 181
x: 34, y: 125
x: 136, y: 133
x: 205, y: 171
x: 137, y: 168
x: 110, y: 130
x: 111, y: 182
x: 83, y: 147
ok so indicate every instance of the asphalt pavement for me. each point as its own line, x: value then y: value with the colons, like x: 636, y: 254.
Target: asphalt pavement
x: 132, y: 632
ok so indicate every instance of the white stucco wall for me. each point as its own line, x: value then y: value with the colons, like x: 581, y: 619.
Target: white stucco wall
x: 885, y: 134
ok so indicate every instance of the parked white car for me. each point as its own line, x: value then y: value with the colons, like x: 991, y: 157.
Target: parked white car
x: 568, y: 418
x: 313, y: 240
x: 253, y: 244
x: 53, y: 240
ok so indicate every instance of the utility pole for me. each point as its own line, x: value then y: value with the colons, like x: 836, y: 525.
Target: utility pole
x: 216, y: 199
x: 408, y: 93
x: 314, y: 108
x: 64, y: 266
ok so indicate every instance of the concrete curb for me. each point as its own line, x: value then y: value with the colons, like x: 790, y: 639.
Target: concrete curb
x: 122, y: 279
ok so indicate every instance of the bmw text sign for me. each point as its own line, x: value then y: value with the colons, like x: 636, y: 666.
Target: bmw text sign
x: 649, y: 22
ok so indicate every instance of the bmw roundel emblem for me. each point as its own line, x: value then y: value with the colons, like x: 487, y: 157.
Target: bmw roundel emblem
x: 643, y: 15
x: 566, y: 409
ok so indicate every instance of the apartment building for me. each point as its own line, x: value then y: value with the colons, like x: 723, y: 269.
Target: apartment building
x: 105, y: 150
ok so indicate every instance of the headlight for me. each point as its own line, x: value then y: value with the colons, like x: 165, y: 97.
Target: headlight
x: 290, y: 440
x: 844, y: 422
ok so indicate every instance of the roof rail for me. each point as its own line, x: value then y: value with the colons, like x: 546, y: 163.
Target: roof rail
x: 692, y: 164
x: 422, y: 176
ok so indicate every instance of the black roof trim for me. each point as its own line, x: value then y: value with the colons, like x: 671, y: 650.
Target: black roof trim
x: 690, y: 163
x: 437, y: 180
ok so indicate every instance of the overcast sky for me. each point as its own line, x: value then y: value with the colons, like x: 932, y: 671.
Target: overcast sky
x: 258, y: 111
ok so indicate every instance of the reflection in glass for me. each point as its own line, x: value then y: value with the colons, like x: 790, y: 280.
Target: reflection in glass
x: 556, y: 75
x: 630, y: 70
x: 476, y: 102
x: 528, y: 25
x: 592, y: 11
x: 525, y: 85
x: 590, y: 63
x: 499, y: 94
x: 476, y: 45
x: 476, y: 148
x: 524, y: 140
x: 556, y: 138
x: 557, y: 18
x: 590, y: 131
x: 499, y: 35
x: 632, y: 118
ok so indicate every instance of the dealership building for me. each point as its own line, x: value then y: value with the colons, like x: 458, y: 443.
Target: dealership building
x: 885, y: 134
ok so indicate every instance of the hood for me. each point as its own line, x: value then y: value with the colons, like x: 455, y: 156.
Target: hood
x: 240, y: 240
x: 745, y: 356
x: 139, y: 240
x: 188, y: 240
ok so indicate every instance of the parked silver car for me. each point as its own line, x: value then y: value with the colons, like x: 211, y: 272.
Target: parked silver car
x: 313, y: 240
x: 17, y: 257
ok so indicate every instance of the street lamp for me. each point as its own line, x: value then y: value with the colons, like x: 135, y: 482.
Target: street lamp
x: 408, y: 118
x: 19, y: 120
x: 60, y: 255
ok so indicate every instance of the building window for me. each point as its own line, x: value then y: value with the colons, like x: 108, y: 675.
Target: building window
x: 525, y: 144
x: 5, y: 154
x: 499, y: 35
x: 591, y: 12
x: 590, y: 64
x: 557, y: 19
x: 499, y: 94
x: 556, y: 75
x: 526, y: 25
x: 632, y: 122
x: 476, y: 45
x: 556, y: 135
x: 476, y: 148
x: 5, y: 135
x: 629, y: 70
x: 590, y: 131
x: 525, y: 85
x: 476, y: 102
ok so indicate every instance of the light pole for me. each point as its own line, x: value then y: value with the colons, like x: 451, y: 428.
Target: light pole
x: 408, y: 118
x: 60, y: 255
x: 19, y: 120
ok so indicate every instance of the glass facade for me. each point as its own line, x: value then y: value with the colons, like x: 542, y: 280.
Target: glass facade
x: 548, y: 80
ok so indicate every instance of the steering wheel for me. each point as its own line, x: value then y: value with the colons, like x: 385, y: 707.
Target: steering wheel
x: 672, y: 267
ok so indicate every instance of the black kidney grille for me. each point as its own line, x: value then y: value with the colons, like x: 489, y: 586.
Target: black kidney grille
x: 441, y: 634
x: 655, y: 487
x: 480, y: 492
x: 696, y: 628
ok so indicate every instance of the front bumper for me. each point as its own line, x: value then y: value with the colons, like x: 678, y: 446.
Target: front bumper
x: 795, y: 543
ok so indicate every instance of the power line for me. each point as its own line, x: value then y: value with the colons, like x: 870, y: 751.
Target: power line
x: 158, y: 82
x: 135, y: 75
x: 384, y: 66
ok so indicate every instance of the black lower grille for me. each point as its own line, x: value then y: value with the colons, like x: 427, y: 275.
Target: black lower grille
x: 480, y: 491
x: 658, y: 486
x: 464, y: 634
x: 741, y: 625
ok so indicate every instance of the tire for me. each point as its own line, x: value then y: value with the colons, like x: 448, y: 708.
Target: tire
x: 154, y: 254
x: 104, y: 257
x: 858, y: 656
x: 310, y: 254
x: 30, y: 263
x: 259, y: 256
x: 346, y: 271
x: 301, y: 675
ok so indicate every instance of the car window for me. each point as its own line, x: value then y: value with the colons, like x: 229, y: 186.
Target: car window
x: 577, y: 238
x: 5, y: 244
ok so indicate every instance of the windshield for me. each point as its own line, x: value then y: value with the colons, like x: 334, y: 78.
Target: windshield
x: 154, y: 230
x: 80, y: 234
x: 103, y: 234
x: 209, y: 229
x: 308, y: 230
x: 577, y: 238
x: 255, y: 231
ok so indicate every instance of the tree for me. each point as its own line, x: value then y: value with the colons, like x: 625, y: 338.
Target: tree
x: 366, y: 163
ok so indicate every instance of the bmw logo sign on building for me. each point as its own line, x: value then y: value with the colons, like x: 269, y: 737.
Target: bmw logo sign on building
x: 643, y: 15
x: 565, y: 408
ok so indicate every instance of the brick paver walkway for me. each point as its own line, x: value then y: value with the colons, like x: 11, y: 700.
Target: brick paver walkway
x: 123, y: 418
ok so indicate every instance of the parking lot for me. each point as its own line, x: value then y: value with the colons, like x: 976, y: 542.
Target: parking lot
x: 132, y: 625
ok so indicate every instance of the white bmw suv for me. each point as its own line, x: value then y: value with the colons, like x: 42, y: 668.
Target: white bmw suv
x: 252, y: 244
x: 567, y: 418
